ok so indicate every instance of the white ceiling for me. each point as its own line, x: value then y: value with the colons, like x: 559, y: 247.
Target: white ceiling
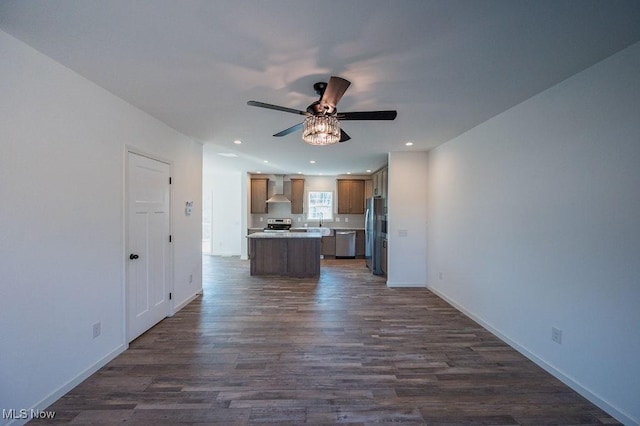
x: 444, y: 65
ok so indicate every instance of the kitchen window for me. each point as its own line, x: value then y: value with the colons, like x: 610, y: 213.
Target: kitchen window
x: 320, y: 205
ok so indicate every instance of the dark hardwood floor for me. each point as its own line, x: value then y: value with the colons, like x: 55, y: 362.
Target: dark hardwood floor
x: 343, y: 348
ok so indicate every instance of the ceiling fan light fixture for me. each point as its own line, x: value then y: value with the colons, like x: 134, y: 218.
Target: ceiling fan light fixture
x: 321, y: 130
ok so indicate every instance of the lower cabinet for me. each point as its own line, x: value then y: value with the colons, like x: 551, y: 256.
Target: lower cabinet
x: 290, y: 257
x: 360, y: 243
x: 328, y: 247
x: 383, y: 256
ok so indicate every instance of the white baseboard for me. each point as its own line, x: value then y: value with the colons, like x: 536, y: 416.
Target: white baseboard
x: 603, y: 404
x: 400, y: 284
x: 68, y: 386
x: 65, y: 388
x: 187, y: 301
x: 224, y: 253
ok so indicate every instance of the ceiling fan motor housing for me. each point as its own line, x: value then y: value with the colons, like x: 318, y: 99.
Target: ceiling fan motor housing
x: 318, y: 108
x: 320, y: 87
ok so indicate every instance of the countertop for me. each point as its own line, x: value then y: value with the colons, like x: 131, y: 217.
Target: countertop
x: 285, y: 235
x: 302, y: 228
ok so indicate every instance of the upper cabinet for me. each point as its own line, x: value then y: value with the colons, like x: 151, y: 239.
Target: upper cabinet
x: 385, y: 181
x: 297, y: 196
x: 259, y: 190
x: 350, y: 196
x: 380, y: 183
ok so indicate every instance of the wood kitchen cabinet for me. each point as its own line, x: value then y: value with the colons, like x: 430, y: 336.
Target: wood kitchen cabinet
x: 383, y: 256
x: 328, y: 246
x: 375, y: 180
x: 284, y: 256
x: 384, y: 183
x: 297, y: 196
x: 259, y: 190
x: 344, y: 201
x: 380, y: 183
x: 350, y: 196
x: 360, y: 243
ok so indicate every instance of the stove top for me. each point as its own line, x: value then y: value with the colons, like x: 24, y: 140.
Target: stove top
x: 278, y: 224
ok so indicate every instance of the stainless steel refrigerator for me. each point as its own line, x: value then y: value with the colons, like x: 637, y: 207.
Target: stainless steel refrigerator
x: 373, y: 223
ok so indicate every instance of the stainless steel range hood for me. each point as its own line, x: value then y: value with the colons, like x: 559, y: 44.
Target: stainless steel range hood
x: 278, y: 194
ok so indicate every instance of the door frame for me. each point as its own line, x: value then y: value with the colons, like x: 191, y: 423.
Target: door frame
x: 128, y: 149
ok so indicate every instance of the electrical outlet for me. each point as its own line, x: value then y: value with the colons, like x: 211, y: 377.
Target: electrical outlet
x: 346, y: 219
x: 556, y: 335
x: 96, y: 329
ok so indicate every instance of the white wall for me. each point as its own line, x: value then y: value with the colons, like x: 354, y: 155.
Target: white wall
x: 62, y: 257
x: 534, y: 223
x: 406, y: 218
x: 226, y: 190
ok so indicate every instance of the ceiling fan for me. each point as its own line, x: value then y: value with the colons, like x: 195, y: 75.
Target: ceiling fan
x: 321, y: 124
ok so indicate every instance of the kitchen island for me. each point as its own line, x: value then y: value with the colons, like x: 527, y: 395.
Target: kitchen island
x: 289, y: 254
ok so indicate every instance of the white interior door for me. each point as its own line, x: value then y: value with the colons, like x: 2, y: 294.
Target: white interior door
x: 148, y: 257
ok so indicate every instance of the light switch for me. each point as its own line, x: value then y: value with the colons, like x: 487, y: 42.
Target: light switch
x: 402, y: 232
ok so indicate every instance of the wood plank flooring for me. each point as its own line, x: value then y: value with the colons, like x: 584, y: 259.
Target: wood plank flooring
x: 339, y: 349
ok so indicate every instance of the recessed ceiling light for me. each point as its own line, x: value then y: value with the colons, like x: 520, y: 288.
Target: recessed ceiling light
x: 265, y: 161
x: 313, y: 161
x: 227, y: 154
x: 368, y: 170
x: 348, y: 173
x: 299, y: 173
x: 258, y: 172
x: 237, y: 142
x: 409, y: 143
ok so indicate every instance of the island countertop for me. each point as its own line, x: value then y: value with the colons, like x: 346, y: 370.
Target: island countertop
x: 285, y: 235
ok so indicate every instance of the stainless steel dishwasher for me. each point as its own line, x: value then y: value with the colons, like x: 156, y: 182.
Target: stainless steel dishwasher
x: 346, y: 244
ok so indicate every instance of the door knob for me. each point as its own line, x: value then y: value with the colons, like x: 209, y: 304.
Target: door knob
x: 133, y: 256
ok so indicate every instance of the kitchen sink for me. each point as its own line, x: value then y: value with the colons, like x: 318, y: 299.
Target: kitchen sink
x: 322, y: 230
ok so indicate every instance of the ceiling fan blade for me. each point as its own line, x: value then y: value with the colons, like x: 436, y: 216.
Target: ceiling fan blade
x: 334, y: 91
x: 276, y: 107
x: 289, y: 130
x: 368, y: 115
x: 344, y: 136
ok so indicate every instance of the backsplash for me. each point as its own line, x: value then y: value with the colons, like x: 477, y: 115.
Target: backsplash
x: 283, y: 210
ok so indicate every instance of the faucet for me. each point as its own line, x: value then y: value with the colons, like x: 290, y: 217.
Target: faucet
x: 320, y: 213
